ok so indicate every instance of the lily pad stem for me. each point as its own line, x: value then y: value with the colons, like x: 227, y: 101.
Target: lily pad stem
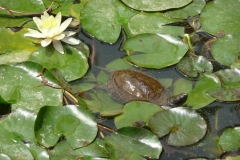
x: 187, y: 40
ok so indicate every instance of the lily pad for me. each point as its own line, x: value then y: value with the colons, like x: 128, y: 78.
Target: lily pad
x: 156, y: 51
x: 135, y: 111
x: 103, y: 19
x: 19, y: 51
x: 13, y: 22
x: 222, y: 51
x: 221, y: 15
x: 38, y: 152
x: 153, y: 23
x: 26, y: 6
x: 118, y: 64
x: 94, y: 150
x: 184, y: 126
x: 139, y: 142
x: 199, y: 97
x: 73, y: 64
x: 153, y: 5
x: 192, y: 9
x: 75, y: 123
x: 229, y: 139
x: 182, y: 86
x: 193, y: 66
x: 22, y: 86
x: 230, y: 85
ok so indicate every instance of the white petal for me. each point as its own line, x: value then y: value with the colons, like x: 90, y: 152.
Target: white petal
x: 58, y: 19
x: 45, y: 16
x: 69, y: 33
x: 46, y: 42
x: 59, y: 37
x: 64, y: 25
x: 38, y: 22
x: 71, y: 40
x: 58, y: 46
x: 34, y: 33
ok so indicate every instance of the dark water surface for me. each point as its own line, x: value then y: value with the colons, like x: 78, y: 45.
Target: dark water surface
x: 218, y: 115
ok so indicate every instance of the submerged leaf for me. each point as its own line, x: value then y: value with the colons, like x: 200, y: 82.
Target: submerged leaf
x: 133, y: 142
x: 184, y: 125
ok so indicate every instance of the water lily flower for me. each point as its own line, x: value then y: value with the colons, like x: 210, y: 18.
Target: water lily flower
x: 51, y: 30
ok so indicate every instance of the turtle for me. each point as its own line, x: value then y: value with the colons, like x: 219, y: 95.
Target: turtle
x: 130, y: 85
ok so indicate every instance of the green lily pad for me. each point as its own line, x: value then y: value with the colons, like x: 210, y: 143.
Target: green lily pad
x: 73, y: 64
x: 222, y: 51
x: 184, y: 126
x: 19, y: 51
x: 156, y: 51
x: 100, y: 101
x: 74, y: 122
x: 192, y: 9
x: 182, y: 86
x: 153, y: 5
x: 27, y: 6
x: 153, y: 23
x: 103, y: 19
x: 230, y: 138
x: 94, y: 150
x: 133, y: 142
x: 38, y: 152
x: 21, y: 123
x: 221, y: 15
x: 22, y: 86
x: 135, y: 111
x: 199, y: 97
x: 13, y: 22
x: 229, y: 90
x: 118, y: 64
x: 102, y: 77
x: 192, y: 66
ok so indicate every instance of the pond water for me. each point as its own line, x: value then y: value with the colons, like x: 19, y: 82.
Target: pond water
x: 218, y: 115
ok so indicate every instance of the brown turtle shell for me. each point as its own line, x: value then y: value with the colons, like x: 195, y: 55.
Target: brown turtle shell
x: 130, y: 85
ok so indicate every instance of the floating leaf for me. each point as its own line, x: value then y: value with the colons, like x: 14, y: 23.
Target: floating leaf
x: 118, y: 64
x: 184, y: 125
x: 75, y: 123
x: 100, y: 101
x: 192, y: 66
x: 153, y: 23
x: 182, y: 86
x: 153, y: 5
x: 222, y: 51
x: 13, y: 22
x: 103, y: 19
x: 133, y: 142
x: 221, y: 15
x: 192, y: 9
x: 22, y: 85
x: 73, y: 64
x: 229, y: 90
x: 102, y: 78
x: 157, y: 51
x: 19, y: 51
x: 63, y: 151
x: 29, y: 6
x: 199, y: 97
x: 135, y: 111
x: 229, y: 139
x: 38, y: 152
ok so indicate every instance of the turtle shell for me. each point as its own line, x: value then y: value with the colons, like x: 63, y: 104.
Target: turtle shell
x: 130, y: 85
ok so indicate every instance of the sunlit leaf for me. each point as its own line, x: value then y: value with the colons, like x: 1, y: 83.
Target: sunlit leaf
x: 221, y: 15
x: 26, y: 6
x: 75, y: 123
x: 229, y: 139
x: 192, y: 9
x: 73, y: 64
x: 230, y: 85
x: 13, y: 22
x: 226, y: 49
x: 199, y: 97
x: 19, y: 51
x: 192, y: 66
x: 153, y: 23
x: 184, y: 126
x: 156, y: 51
x: 22, y: 86
x: 133, y: 142
x: 135, y: 111
x: 153, y: 5
x: 103, y: 19
x: 63, y: 151
x: 38, y: 152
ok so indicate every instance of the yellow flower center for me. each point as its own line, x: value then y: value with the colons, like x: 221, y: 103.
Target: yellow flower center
x: 50, y: 22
